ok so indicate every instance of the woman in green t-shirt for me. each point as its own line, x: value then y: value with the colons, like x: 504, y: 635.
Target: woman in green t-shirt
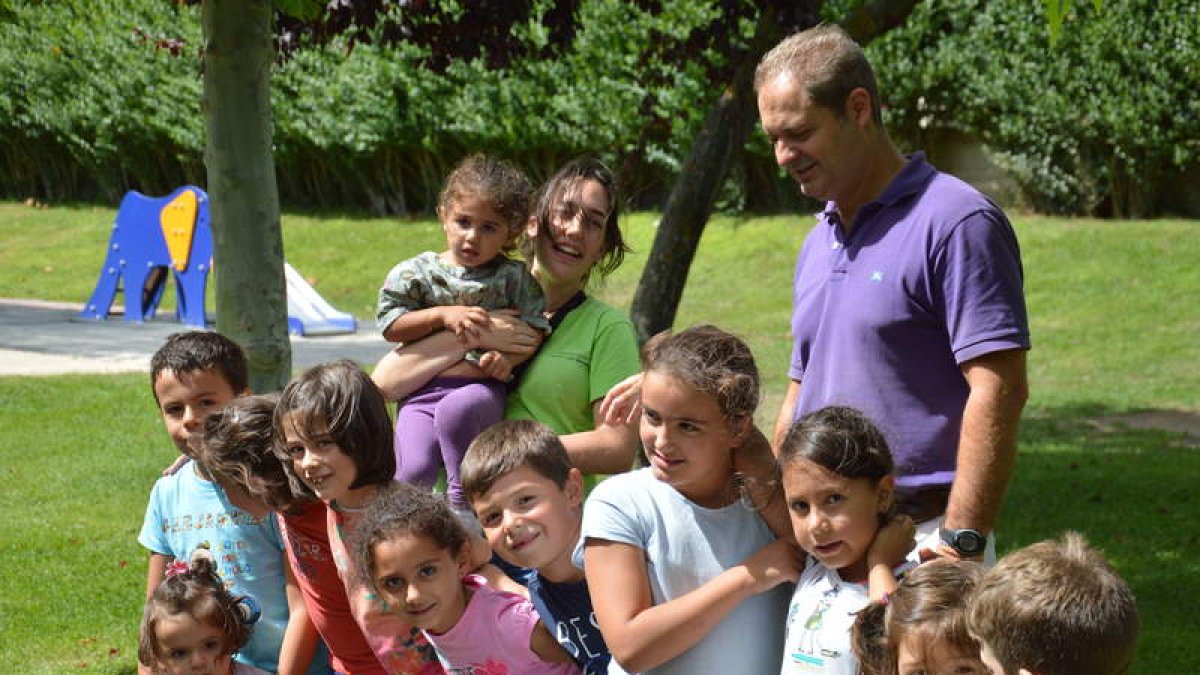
x: 572, y: 233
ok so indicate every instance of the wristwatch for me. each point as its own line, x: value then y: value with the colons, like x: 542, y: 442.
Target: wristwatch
x: 969, y: 543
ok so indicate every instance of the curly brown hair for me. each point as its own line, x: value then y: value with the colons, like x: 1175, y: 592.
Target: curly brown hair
x: 237, y: 444
x: 199, y: 593
x: 504, y: 186
x: 711, y: 361
x: 400, y: 509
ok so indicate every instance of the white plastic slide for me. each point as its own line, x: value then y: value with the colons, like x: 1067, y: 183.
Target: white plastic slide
x: 309, y: 313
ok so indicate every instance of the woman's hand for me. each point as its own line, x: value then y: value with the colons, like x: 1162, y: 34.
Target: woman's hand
x: 504, y: 331
x: 623, y: 403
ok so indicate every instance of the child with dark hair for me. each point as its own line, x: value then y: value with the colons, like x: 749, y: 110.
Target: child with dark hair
x: 238, y: 449
x: 483, y: 207
x: 195, y: 374
x: 1054, y: 608
x: 922, y: 628
x: 193, y: 624
x: 191, y: 375
x: 334, y: 437
x: 529, y: 500
x: 199, y: 351
x: 413, y: 552
x: 839, y: 484
x: 684, y: 576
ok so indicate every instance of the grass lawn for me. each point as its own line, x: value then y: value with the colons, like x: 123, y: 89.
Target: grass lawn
x: 1115, y: 320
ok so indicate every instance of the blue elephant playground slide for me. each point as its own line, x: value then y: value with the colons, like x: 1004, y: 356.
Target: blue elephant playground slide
x: 153, y: 237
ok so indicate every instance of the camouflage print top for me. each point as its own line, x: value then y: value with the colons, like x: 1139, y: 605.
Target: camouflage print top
x: 426, y: 281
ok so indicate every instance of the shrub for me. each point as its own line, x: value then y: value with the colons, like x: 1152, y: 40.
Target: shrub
x: 1104, y: 122
x: 97, y: 101
x: 89, y: 105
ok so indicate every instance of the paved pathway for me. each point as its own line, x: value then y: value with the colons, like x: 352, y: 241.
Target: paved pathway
x: 46, y: 338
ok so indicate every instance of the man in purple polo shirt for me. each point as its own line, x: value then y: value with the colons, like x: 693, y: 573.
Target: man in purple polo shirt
x: 908, y: 300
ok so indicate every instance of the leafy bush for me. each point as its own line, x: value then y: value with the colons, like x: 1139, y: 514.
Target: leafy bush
x: 103, y: 97
x: 1104, y: 122
x: 89, y: 105
x: 93, y: 103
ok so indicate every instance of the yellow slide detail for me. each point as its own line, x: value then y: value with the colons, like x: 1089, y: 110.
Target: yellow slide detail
x: 178, y: 221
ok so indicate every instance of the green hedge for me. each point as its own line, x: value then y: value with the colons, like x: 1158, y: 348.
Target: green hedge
x: 92, y: 104
x: 87, y: 109
x: 1105, y: 122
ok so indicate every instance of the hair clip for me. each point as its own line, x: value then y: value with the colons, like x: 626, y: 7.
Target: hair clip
x: 249, y: 609
x: 176, y: 567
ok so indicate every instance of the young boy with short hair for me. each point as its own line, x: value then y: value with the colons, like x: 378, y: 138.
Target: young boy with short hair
x: 1054, y: 608
x: 529, y: 500
x: 193, y: 375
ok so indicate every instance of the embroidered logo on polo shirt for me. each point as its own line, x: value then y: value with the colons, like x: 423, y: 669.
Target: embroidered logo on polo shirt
x: 877, y: 276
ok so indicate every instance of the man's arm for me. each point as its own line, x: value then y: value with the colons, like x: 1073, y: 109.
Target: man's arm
x: 987, y: 445
x: 786, y: 413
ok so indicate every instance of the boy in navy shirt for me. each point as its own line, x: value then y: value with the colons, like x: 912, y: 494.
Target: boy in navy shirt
x: 529, y: 498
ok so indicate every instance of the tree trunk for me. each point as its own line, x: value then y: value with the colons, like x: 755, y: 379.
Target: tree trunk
x: 724, y: 133
x: 251, y: 295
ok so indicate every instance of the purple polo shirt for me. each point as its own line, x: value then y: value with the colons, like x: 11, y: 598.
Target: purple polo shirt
x: 929, y: 277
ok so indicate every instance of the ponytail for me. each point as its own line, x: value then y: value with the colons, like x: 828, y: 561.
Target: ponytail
x: 868, y: 639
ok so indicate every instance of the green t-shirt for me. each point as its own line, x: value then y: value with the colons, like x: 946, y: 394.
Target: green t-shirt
x: 591, y: 350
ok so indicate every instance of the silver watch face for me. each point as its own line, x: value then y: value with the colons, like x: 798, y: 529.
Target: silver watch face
x: 965, y: 541
x: 969, y: 542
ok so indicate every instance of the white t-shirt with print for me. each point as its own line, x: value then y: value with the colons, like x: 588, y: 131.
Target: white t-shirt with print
x: 819, y: 619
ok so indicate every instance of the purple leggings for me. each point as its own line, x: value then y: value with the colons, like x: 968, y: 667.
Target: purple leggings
x: 435, y: 425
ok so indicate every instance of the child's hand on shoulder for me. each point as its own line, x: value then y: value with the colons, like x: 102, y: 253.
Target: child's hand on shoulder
x: 893, y: 542
x: 175, y: 466
x: 774, y: 564
x: 464, y: 320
